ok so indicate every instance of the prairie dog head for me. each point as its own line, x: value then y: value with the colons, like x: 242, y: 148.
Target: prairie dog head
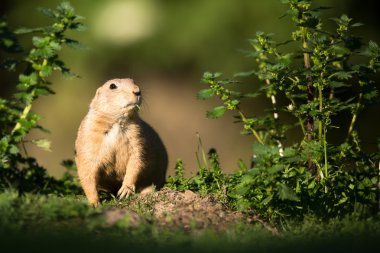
x: 117, y: 97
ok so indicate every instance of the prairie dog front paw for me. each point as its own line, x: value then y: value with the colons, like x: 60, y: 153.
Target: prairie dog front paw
x: 125, y: 191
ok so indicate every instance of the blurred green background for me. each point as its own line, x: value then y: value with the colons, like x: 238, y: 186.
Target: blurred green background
x: 165, y: 46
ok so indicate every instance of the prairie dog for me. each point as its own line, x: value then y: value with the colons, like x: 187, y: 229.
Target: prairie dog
x: 116, y: 150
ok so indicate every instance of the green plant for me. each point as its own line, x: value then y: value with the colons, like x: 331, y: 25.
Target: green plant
x: 209, y: 179
x: 313, y: 175
x: 17, y: 169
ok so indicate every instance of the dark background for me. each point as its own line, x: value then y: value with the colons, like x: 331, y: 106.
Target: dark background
x: 166, y: 45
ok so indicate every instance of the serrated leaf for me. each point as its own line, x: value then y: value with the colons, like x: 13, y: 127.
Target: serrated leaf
x: 342, y: 75
x: 370, y: 95
x: 372, y: 45
x: 285, y: 60
x: 79, y: 27
x: 276, y: 168
x: 357, y: 24
x: 44, y: 91
x: 247, y: 179
x: 75, y: 44
x: 267, y: 199
x: 28, y: 79
x: 47, y: 12
x: 42, y: 143
x: 226, y: 81
x: 245, y: 74
x: 241, y: 189
x: 46, y: 70
x: 55, y: 46
x: 286, y: 193
x: 39, y: 41
x: 205, y: 94
x: 234, y: 103
x: 24, y: 30
x: 251, y: 95
x: 338, y: 84
x: 13, y: 149
x: 217, y: 112
x: 210, y: 76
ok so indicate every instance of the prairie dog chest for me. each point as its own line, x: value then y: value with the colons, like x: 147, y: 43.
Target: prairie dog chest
x: 119, y: 138
x: 113, y: 137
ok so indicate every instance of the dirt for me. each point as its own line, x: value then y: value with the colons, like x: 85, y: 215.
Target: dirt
x: 184, y: 210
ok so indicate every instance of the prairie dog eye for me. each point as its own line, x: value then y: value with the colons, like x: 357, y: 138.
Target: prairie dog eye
x: 113, y: 86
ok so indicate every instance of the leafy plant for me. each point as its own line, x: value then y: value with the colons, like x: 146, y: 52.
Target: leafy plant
x: 209, y: 178
x: 17, y: 169
x: 313, y: 175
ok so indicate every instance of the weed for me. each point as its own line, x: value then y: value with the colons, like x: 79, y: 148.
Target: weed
x: 209, y: 178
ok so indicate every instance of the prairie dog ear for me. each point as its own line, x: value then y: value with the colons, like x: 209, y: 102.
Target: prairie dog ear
x: 97, y: 92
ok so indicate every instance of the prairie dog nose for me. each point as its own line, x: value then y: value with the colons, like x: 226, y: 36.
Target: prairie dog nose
x: 137, y: 91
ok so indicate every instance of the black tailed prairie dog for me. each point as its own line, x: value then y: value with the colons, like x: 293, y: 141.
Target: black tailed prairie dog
x: 116, y: 150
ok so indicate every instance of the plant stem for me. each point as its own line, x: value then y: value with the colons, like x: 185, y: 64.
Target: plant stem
x: 24, y: 113
x: 325, y: 152
x: 299, y: 119
x: 320, y: 123
x: 322, y: 129
x: 254, y: 132
x: 354, y: 116
x: 276, y: 119
x: 379, y: 177
x: 310, y: 88
x: 310, y: 95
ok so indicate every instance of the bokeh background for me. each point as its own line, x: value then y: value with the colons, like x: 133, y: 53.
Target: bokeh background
x: 165, y: 46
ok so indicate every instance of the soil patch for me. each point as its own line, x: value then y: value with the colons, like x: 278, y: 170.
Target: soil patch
x: 184, y: 210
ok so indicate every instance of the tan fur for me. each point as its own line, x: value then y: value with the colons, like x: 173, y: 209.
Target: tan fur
x: 116, y: 150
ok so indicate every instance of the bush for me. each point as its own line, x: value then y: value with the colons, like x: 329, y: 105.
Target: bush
x: 314, y: 175
x: 17, y: 169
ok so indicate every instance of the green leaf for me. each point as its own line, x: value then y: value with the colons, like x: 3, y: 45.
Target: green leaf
x: 205, y: 94
x: 79, y: 27
x: 217, y: 112
x: 251, y: 95
x: 46, y: 71
x: 241, y: 189
x: 245, y: 74
x: 342, y: 75
x: 42, y: 143
x: 28, y: 80
x: 40, y: 42
x: 208, y: 76
x: 13, y: 149
x: 357, y: 24
x: 338, y: 84
x: 75, y: 44
x: 276, y: 168
x: 47, y: 12
x: 373, y: 46
x: 286, y: 193
x: 267, y: 199
x: 342, y: 200
x: 44, y: 91
x: 370, y: 95
x: 24, y: 30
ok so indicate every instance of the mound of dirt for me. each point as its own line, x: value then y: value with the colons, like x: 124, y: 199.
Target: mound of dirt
x: 184, y: 210
x: 189, y: 210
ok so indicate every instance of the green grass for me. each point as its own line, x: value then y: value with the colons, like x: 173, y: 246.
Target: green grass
x: 50, y: 223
